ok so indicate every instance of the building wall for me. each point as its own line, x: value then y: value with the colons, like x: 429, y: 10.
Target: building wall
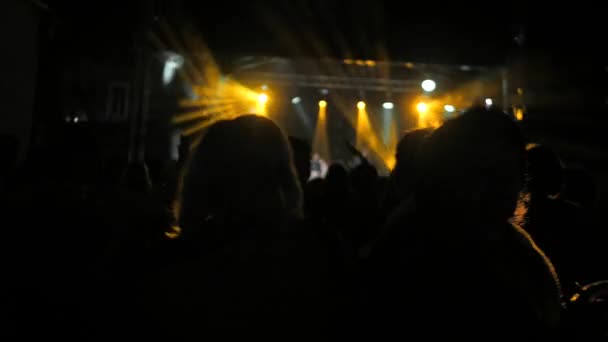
x: 18, y: 61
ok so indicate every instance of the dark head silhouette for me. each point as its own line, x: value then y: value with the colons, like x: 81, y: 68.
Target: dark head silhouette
x: 301, y: 155
x: 459, y: 238
x: 364, y: 179
x: 545, y: 174
x: 336, y: 187
x: 473, y: 165
x: 242, y: 167
x: 337, y: 177
x: 405, y: 172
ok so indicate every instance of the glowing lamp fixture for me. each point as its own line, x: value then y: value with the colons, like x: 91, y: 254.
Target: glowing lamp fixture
x: 428, y: 85
x: 262, y: 98
x: 422, y: 107
x: 388, y: 105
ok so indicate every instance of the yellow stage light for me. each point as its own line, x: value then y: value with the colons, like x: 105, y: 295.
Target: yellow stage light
x: 428, y: 85
x: 262, y: 99
x: 361, y: 105
x: 519, y: 114
x: 322, y: 104
x: 422, y: 107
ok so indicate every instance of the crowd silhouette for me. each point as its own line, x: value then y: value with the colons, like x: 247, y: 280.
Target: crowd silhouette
x: 475, y: 235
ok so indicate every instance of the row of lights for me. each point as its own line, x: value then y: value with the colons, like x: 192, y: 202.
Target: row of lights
x: 421, y: 106
x: 360, y: 62
x: 427, y: 85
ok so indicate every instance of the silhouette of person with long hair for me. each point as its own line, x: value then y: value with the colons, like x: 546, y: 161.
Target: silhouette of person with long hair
x: 245, y: 263
x: 456, y: 267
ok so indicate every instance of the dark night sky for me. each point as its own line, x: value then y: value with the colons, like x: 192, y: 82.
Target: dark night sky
x: 402, y: 30
x: 394, y: 30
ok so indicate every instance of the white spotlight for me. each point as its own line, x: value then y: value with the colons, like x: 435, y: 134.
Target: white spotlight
x: 173, y: 62
x: 449, y: 108
x: 262, y: 99
x: 388, y: 105
x: 296, y: 100
x: 489, y: 102
x: 428, y: 85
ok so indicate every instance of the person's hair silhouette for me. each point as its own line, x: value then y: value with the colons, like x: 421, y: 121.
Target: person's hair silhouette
x: 473, y: 166
x: 301, y: 155
x: 242, y: 167
x: 405, y: 173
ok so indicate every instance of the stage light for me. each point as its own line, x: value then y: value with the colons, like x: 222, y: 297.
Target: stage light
x: 320, y: 141
x: 361, y: 105
x: 428, y: 85
x: 324, y: 91
x: 422, y: 107
x: 489, y: 102
x: 262, y: 99
x: 173, y: 62
x: 174, y: 232
x: 449, y: 108
x: 388, y: 105
x: 264, y: 87
x: 370, y: 63
x: 76, y: 120
x: 296, y: 100
x: 519, y: 114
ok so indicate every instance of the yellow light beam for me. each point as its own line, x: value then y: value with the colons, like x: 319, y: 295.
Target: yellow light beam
x: 320, y: 143
x: 181, y: 118
x: 368, y: 139
x: 423, y: 110
x: 519, y: 114
x: 263, y: 98
x: 422, y: 107
x: 200, y: 126
x: 206, y: 102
